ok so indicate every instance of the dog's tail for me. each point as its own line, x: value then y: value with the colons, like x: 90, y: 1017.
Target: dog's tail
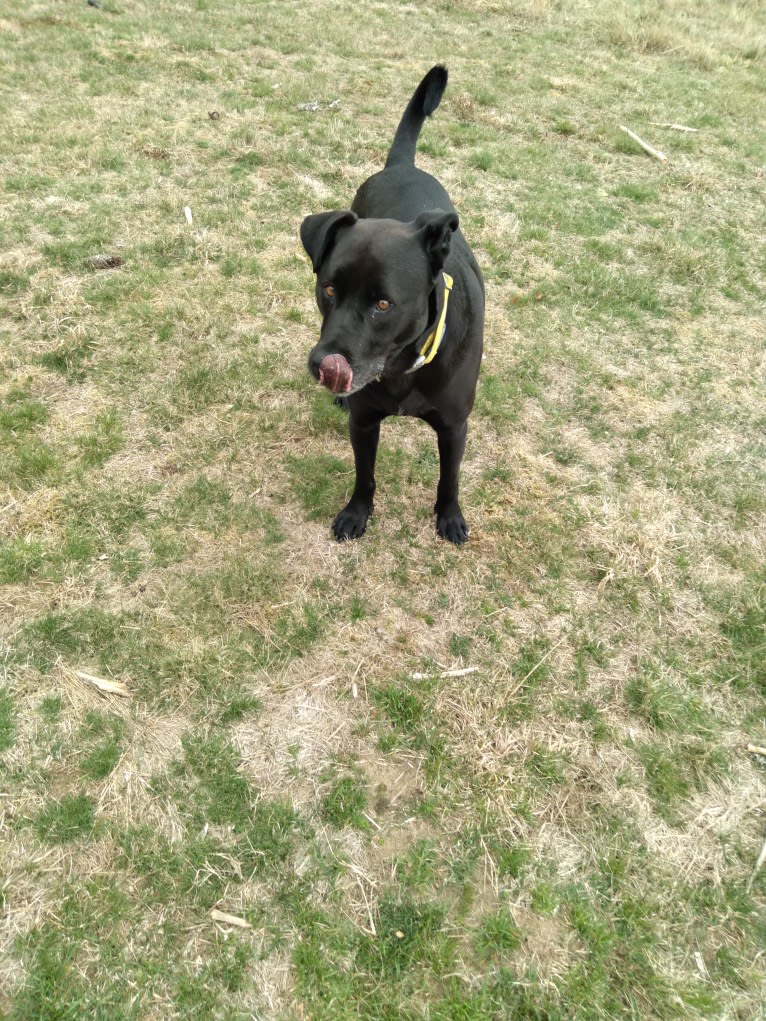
x: 423, y: 103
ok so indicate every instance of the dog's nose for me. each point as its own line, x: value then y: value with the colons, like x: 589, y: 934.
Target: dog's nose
x: 336, y: 374
x: 331, y: 368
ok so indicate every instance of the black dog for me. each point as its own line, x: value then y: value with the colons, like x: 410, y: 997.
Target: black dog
x: 402, y: 301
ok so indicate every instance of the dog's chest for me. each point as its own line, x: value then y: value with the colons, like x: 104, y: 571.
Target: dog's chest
x: 414, y: 404
x: 399, y: 395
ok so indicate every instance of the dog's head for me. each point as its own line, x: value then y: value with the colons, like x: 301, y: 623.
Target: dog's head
x: 374, y: 286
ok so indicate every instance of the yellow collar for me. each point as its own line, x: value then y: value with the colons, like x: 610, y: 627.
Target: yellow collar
x: 433, y: 341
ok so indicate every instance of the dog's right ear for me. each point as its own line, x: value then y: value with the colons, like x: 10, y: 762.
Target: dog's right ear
x: 318, y: 233
x: 435, y: 229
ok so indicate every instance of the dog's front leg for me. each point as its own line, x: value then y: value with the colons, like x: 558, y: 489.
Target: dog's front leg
x: 352, y: 520
x: 450, y: 523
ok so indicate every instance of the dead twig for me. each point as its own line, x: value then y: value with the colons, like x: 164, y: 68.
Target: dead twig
x: 673, y: 127
x: 226, y: 919
x: 644, y: 145
x: 448, y: 673
x: 104, y: 684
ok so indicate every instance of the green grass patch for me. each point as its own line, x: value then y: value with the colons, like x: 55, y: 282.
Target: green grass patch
x: 220, y: 793
x: 7, y: 720
x: 102, y: 739
x: 344, y: 803
x: 498, y: 935
x: 662, y: 705
x: 674, y: 773
x: 409, y: 934
x: 743, y: 627
x: 67, y: 819
x: 319, y: 483
x: 104, y: 440
x: 70, y: 634
x: 20, y: 559
x: 72, y: 358
x: 21, y: 412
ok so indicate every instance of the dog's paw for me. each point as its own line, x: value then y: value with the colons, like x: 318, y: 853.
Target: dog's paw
x: 351, y: 523
x: 451, y: 526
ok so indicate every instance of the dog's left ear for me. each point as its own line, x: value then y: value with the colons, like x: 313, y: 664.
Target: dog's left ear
x: 436, y: 229
x: 318, y: 233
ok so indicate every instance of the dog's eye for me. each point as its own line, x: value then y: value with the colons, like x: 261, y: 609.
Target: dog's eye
x: 382, y: 305
x: 329, y: 291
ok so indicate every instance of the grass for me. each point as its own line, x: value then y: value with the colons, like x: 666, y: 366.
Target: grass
x: 506, y: 781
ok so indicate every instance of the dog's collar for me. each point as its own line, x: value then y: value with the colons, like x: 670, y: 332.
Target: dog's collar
x: 432, y: 343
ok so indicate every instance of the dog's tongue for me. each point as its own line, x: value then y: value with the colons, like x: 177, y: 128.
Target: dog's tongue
x: 336, y: 374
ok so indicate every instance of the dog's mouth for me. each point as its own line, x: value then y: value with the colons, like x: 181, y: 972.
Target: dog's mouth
x: 336, y: 374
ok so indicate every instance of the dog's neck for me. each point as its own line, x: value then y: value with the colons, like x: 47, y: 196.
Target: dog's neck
x: 428, y: 344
